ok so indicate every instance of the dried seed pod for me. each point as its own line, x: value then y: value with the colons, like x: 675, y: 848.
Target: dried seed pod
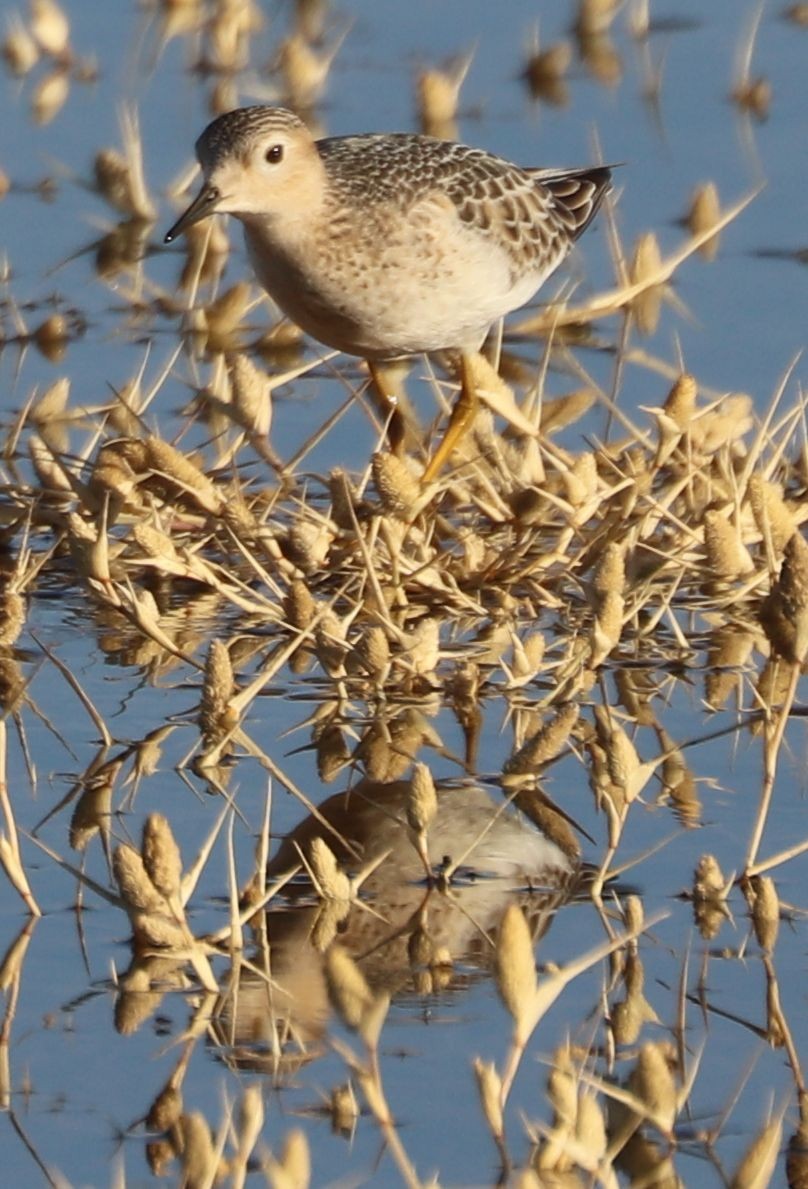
x: 136, y: 888
x: 169, y: 462
x: 152, y: 542
x: 516, y: 969
x: 49, y: 415
x: 304, y: 71
x: 166, y: 1109
x: 329, y: 922
x: 784, y: 614
x: 420, y: 946
x: 51, y: 404
x: 423, y: 647
x: 343, y: 500
x: 112, y: 479
x: 160, y: 1156
x: 633, y: 914
x: 754, y: 97
x: 238, y: 517
x: 158, y: 930
x: 126, y: 452
x: 559, y: 412
x: 88, y: 548
x: 704, y: 213
x: 708, y: 880
x: 610, y: 574
x: 595, y: 16
x: 562, y: 1088
x: 347, y: 988
x: 629, y: 1015
x: 344, y: 1109
x: 13, y: 686
x: 489, y: 1085
x: 132, y: 1008
x: 730, y: 648
x: 622, y: 759
x: 19, y: 49
x: 528, y: 1178
x: 161, y: 856
x: 539, y: 809
x: 332, y: 883
x: 680, y: 403
x: 398, y: 489
x: 12, y: 617
x: 206, y: 250
x: 422, y: 800
x: 764, y: 903
x: 373, y: 652
x: 757, y: 1164
x: 332, y: 753
x: 252, y: 394
x: 581, y: 480
x: 50, y: 95
x: 299, y: 605
x: 370, y: 1027
x: 526, y: 659
x: 533, y: 646
x: 727, y: 556
x: 223, y: 316
x: 113, y: 181
x: 92, y: 813
x: 112, y: 487
x: 52, y: 337
x: 227, y: 37
x: 437, y: 94
x: 544, y: 72
x: 607, y: 627
x: 294, y: 1163
x: 590, y: 1128
x: 798, y: 13
x: 776, y: 1025
x: 771, y: 688
x: 646, y: 264
x: 50, y: 28
x: 544, y: 746
x: 652, y: 1082
x: 330, y: 645
x: 797, y: 1152
x: 774, y: 520
x: 216, y: 716
x: 198, y: 1153
x: 722, y: 426
x: 307, y: 545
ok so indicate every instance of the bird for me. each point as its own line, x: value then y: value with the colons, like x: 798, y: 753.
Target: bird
x: 389, y: 245
x: 403, y: 931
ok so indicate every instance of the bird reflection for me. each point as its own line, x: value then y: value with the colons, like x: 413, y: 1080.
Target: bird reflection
x: 410, y: 936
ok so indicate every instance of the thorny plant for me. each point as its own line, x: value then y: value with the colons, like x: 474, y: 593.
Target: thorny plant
x: 568, y: 586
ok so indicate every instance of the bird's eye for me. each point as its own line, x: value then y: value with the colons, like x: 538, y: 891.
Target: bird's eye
x: 274, y: 154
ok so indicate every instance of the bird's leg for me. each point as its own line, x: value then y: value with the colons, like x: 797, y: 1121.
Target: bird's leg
x: 387, y: 387
x: 460, y: 421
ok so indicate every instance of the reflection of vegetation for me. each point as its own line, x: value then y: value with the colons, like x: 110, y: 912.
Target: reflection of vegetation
x: 578, y: 594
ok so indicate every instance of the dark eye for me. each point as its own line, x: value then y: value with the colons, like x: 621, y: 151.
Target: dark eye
x: 274, y: 154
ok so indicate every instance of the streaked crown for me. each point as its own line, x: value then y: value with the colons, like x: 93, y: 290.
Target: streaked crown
x: 234, y: 133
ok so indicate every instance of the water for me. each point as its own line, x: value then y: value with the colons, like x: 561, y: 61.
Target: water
x: 77, y: 1081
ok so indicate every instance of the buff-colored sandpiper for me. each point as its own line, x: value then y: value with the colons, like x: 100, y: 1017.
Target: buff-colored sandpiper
x: 388, y: 245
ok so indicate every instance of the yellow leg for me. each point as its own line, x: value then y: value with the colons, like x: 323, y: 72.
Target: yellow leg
x: 393, y: 403
x: 460, y: 421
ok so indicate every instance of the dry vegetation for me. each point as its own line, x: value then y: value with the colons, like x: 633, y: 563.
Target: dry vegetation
x: 572, y: 587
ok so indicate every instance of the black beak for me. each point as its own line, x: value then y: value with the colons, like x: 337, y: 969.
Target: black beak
x: 203, y: 205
